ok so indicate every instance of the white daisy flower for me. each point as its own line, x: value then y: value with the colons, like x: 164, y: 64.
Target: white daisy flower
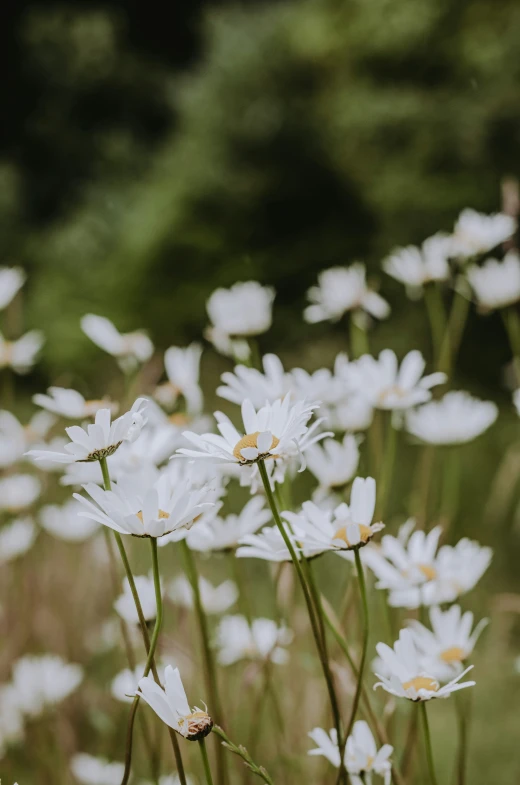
x: 124, y: 605
x: 66, y: 522
x: 386, y: 385
x: 18, y: 491
x: 136, y: 508
x: 516, y: 401
x: 362, y: 758
x: 224, y: 533
x: 172, y: 707
x: 215, y: 599
x: 42, y: 681
x: 245, y: 382
x: 496, y: 284
x: 11, y: 718
x: 476, y: 233
x: 263, y: 640
x: 15, y: 438
x: 243, y: 310
x: 269, y: 545
x: 183, y: 370
x: 16, y: 538
x: 100, y: 439
x: 456, y: 418
x: 333, y: 463
x: 21, y: 355
x: 130, y: 349
x: 124, y: 685
x: 407, y: 678
x: 70, y: 403
x: 415, y: 267
x: 346, y: 528
x: 272, y: 431
x: 449, y: 643
x: 11, y: 281
x: 461, y: 566
x: 342, y: 289
x: 89, y: 770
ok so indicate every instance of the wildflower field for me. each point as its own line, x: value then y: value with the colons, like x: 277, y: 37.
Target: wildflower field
x: 221, y: 566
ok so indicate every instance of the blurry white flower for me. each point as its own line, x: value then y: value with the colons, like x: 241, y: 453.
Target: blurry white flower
x: 11, y: 281
x: 477, y: 233
x: 416, y: 574
x: 350, y: 411
x: 170, y: 779
x: 145, y: 510
x: 449, y: 643
x: 66, y: 523
x: 96, y: 771
x: 18, y: 491
x: 15, y: 438
x: 269, y: 545
x: 182, y: 369
x: 456, y: 418
x: 70, y: 403
x: 124, y: 686
x: 270, y: 432
x: 172, y: 707
x: 408, y: 678
x: 345, y: 528
x: 125, y: 605
x: 342, y: 289
x: 100, y: 439
x: 496, y: 284
x: 260, y: 387
x: 243, y: 310
x: 215, y: 599
x: 20, y: 355
x: 264, y: 640
x: 225, y: 533
x: 333, y: 463
x: 362, y: 757
x: 16, y: 538
x: 130, y: 349
x: 386, y: 385
x: 415, y: 267
x: 42, y: 681
x: 516, y: 401
x: 11, y: 718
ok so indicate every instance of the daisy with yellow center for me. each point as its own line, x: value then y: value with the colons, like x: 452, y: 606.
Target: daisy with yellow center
x: 71, y: 404
x: 450, y: 641
x: 346, y: 528
x: 134, y: 507
x: 406, y: 674
x: 361, y: 754
x: 273, y: 432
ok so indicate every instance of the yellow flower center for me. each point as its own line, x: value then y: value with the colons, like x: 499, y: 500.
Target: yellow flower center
x: 430, y: 573
x: 250, y: 440
x: 161, y: 515
x: 455, y: 654
x: 421, y: 683
x: 179, y: 418
x: 370, y: 762
x: 365, y: 533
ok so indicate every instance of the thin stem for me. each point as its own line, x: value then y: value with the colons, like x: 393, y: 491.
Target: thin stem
x: 454, y: 331
x: 361, y: 669
x: 385, y: 479
x: 428, y: 742
x: 312, y: 611
x: 358, y: 337
x: 142, y: 622
x: 462, y: 752
x: 149, y: 660
x: 436, y: 317
x: 450, y: 487
x: 244, y: 754
x: 209, y: 664
x: 205, y: 761
x: 243, y: 599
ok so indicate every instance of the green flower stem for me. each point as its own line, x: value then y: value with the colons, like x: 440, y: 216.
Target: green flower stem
x: 453, y: 333
x: 361, y: 668
x: 427, y: 742
x: 358, y: 338
x: 312, y: 610
x: 450, y: 487
x: 244, y: 754
x: 462, y: 705
x: 205, y: 761
x: 243, y: 599
x: 209, y: 664
x: 387, y: 468
x: 144, y: 629
x: 436, y: 317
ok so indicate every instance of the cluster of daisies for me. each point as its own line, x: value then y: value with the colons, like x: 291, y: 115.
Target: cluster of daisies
x: 161, y: 470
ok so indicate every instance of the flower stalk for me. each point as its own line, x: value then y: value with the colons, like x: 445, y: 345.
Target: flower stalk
x: 427, y: 742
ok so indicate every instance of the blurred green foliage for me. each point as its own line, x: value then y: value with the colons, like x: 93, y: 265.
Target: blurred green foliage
x: 296, y: 135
